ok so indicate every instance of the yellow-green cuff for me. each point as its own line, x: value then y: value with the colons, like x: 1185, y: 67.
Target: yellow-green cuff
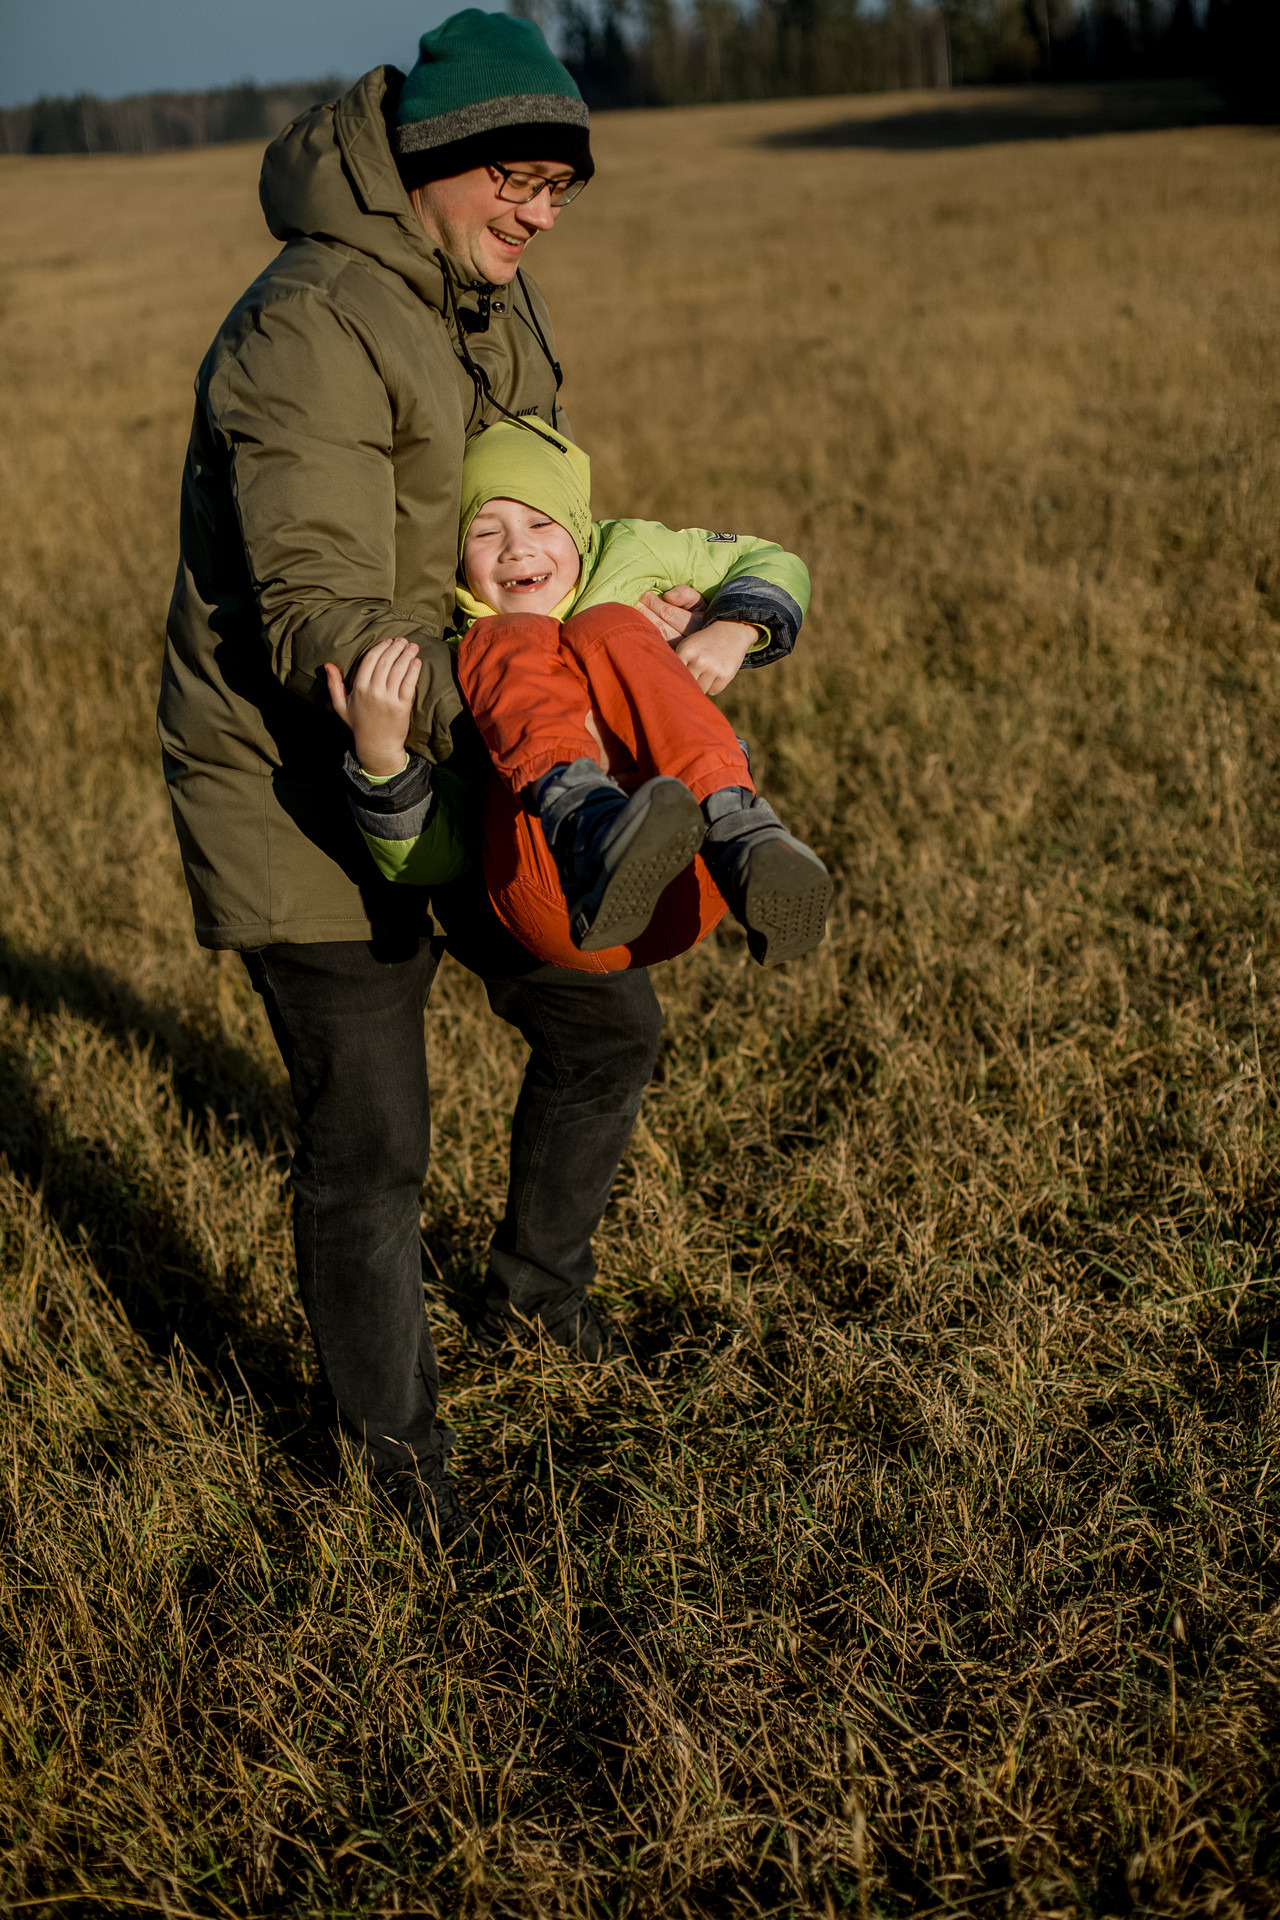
x: 381, y: 779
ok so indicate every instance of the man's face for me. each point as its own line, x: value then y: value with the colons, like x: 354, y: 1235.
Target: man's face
x: 484, y: 234
x: 518, y: 560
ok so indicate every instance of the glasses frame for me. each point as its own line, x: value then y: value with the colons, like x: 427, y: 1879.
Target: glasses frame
x: 569, y: 189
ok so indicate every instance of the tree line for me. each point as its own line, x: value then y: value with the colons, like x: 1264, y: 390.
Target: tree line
x: 146, y: 122
x: 660, y: 53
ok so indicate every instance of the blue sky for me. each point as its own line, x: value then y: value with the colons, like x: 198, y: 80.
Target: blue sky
x: 113, y: 47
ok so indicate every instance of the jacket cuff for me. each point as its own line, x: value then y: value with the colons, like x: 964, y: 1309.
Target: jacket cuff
x: 759, y: 603
x: 394, y: 809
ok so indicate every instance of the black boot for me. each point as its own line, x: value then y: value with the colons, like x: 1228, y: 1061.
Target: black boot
x: 615, y: 853
x: 425, y: 1496
x: 580, y: 1325
x: 775, y: 885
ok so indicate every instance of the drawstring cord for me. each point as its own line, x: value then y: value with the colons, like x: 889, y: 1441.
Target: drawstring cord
x: 551, y: 361
x: 479, y: 378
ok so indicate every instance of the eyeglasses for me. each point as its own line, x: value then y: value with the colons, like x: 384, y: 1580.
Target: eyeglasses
x: 520, y: 188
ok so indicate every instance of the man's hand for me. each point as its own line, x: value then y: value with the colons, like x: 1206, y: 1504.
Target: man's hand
x: 676, y: 613
x: 714, y: 654
x: 379, y: 705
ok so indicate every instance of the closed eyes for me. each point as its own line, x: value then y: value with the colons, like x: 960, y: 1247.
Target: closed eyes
x: 490, y: 533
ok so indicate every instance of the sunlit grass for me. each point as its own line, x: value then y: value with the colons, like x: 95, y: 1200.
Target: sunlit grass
x: 928, y: 1563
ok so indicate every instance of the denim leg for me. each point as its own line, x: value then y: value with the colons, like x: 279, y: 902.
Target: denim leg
x: 594, y: 1038
x: 349, y: 1028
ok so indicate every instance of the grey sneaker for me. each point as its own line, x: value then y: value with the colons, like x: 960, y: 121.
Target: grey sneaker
x: 615, y: 854
x: 774, y: 885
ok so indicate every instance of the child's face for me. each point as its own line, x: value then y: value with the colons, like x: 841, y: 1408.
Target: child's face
x: 518, y: 560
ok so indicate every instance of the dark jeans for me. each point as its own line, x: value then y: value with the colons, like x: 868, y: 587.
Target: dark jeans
x: 347, y: 1016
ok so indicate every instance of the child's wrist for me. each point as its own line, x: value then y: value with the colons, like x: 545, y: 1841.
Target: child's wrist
x: 382, y: 763
x: 742, y: 635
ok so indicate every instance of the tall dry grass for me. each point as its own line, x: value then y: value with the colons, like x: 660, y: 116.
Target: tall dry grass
x: 930, y: 1565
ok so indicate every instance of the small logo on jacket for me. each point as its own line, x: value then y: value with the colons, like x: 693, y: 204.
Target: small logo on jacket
x: 730, y: 537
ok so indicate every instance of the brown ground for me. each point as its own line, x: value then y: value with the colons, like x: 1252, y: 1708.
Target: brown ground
x: 932, y: 1564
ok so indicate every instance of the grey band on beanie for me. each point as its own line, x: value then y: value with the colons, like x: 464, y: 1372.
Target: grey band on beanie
x: 487, y: 116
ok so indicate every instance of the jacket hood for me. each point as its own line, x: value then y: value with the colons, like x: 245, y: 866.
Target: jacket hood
x: 331, y: 176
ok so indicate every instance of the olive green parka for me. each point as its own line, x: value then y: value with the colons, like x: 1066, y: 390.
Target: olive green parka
x: 319, y: 514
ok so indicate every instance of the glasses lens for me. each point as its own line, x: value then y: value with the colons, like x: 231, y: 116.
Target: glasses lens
x: 522, y: 187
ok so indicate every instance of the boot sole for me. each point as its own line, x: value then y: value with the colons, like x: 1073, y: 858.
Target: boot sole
x: 786, y: 901
x: 663, y: 843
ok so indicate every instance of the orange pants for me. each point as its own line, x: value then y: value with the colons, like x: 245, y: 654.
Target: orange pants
x: 530, y: 684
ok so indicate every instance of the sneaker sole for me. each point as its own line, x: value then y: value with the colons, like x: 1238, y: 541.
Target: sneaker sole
x: 662, y: 845
x: 785, y: 906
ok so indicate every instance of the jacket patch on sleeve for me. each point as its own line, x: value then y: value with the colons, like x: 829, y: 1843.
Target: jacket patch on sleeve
x: 732, y: 538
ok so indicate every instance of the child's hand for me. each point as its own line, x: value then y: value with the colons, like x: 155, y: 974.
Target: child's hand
x: 676, y: 613
x: 714, y: 654
x: 379, y: 705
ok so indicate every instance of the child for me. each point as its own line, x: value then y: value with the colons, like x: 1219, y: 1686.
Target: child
x: 588, y: 867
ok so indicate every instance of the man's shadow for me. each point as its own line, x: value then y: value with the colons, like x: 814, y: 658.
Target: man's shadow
x: 1059, y: 113
x: 101, y: 1197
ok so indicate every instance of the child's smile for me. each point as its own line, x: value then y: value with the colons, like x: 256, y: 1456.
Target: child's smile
x: 519, y: 560
x: 524, y: 583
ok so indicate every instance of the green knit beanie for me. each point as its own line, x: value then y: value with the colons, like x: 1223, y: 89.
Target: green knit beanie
x: 534, y: 465
x: 486, y: 86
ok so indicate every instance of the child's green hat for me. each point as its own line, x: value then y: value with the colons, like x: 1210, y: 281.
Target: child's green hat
x: 485, y: 87
x: 532, y: 464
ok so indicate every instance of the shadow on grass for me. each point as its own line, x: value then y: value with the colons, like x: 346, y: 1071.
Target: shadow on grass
x: 101, y: 1197
x: 1040, y: 113
x: 212, y: 1077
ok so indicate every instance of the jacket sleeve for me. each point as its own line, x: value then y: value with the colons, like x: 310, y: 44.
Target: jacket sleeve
x: 419, y: 826
x: 744, y: 579
x: 306, y: 420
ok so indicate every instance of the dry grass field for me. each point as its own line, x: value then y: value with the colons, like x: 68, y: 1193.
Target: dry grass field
x: 930, y: 1562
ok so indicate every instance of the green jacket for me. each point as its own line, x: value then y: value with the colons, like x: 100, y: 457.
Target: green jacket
x: 319, y: 515
x: 743, y: 578
x: 422, y: 828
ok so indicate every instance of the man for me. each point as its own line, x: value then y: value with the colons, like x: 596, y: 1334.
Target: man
x: 319, y: 516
